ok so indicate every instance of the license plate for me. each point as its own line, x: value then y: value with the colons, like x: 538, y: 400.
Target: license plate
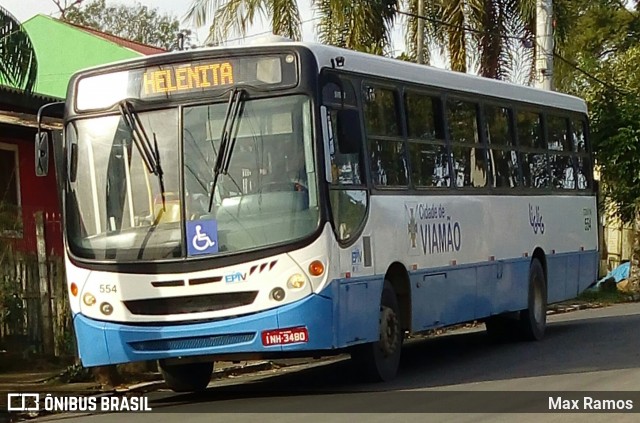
x: 285, y: 336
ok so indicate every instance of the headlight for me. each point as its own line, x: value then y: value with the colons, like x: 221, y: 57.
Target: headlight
x: 88, y: 299
x: 296, y: 281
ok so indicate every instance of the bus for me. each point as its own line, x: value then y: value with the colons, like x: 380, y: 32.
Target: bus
x: 295, y: 199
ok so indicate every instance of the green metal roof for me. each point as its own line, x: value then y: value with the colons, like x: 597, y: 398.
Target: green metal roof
x: 63, y: 49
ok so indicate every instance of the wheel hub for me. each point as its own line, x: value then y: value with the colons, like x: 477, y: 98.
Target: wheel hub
x: 388, y: 331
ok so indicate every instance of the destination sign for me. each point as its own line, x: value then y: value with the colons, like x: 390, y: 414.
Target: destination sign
x: 275, y: 71
x: 186, y: 78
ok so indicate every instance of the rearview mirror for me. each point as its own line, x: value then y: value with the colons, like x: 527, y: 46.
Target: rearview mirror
x: 349, y: 133
x: 42, y: 153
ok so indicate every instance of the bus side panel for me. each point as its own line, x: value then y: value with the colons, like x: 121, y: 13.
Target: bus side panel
x: 359, y: 311
x: 511, y: 288
x: 573, y: 276
x: 556, y: 277
x: 489, y: 276
x: 588, y: 269
x: 443, y: 297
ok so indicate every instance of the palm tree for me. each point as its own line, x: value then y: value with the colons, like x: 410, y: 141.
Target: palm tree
x: 472, y: 31
x: 357, y: 25
x: 18, y: 65
x: 238, y: 15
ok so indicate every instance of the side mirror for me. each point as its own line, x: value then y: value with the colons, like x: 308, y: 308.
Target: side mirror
x: 349, y: 133
x: 42, y: 153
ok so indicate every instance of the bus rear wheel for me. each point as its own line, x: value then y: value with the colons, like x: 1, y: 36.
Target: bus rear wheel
x: 188, y: 377
x: 530, y: 323
x: 379, y: 361
x: 533, y: 320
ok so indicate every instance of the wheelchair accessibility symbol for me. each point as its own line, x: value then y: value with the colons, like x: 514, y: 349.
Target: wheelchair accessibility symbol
x: 202, y: 236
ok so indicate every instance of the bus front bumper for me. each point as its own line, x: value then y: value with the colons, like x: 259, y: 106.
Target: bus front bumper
x: 103, y: 343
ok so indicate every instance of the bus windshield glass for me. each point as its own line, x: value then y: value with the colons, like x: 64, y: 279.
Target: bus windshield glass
x: 266, y: 196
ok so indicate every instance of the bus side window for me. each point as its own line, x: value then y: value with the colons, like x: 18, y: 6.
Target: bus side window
x: 533, y: 151
x: 345, y: 166
x: 560, y: 161
x: 428, y: 150
x: 581, y: 153
x: 469, y: 157
x: 389, y: 164
x: 503, y: 159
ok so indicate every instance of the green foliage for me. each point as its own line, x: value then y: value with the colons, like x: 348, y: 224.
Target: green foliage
x: 601, y: 38
x: 615, y: 128
x: 18, y: 64
x: 236, y: 16
x: 137, y: 22
x: 604, y: 296
x: 76, y: 374
x: 357, y: 25
x: 12, y: 313
x: 593, y: 33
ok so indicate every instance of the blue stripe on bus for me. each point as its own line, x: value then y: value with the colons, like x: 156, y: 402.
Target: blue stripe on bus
x: 345, y: 313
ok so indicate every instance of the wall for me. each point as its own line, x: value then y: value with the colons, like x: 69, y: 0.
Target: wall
x: 36, y: 193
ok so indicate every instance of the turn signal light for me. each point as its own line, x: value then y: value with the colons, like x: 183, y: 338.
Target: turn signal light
x: 316, y: 268
x: 74, y: 289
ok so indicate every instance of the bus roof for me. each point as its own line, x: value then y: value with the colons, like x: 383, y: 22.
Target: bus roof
x: 379, y: 66
x: 440, y: 78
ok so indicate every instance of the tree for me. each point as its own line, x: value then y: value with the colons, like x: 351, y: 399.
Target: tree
x: 598, y: 62
x: 18, y: 64
x: 230, y: 16
x: 615, y: 120
x: 357, y: 25
x: 137, y: 23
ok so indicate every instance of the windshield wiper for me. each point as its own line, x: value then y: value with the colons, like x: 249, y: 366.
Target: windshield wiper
x: 150, y: 153
x: 227, y: 140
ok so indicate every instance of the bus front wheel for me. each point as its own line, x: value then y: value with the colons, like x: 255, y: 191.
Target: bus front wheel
x: 188, y: 377
x: 379, y: 361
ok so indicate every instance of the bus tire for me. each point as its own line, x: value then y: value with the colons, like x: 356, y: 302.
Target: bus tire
x: 533, y: 320
x: 188, y: 377
x: 379, y: 361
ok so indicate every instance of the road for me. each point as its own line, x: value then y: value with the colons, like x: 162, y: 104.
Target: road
x: 590, y: 350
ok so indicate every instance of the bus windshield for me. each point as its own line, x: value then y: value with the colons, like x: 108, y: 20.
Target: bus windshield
x: 266, y: 196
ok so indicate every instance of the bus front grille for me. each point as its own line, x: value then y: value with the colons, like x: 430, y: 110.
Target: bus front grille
x: 192, y: 342
x: 190, y: 304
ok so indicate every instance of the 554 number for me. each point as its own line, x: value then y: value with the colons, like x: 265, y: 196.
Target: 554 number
x: 108, y: 289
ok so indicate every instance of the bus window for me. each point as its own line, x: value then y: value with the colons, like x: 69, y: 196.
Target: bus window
x: 562, y: 174
x: 469, y: 160
x: 503, y: 158
x: 534, y: 163
x: 388, y: 156
x: 427, y: 145
x: 345, y: 168
x: 581, y: 158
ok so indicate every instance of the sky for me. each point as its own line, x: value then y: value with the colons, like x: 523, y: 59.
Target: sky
x: 25, y: 9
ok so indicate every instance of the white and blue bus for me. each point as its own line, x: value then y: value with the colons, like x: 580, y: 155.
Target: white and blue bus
x: 294, y: 199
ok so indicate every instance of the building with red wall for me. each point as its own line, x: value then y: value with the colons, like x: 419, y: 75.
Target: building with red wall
x: 22, y: 193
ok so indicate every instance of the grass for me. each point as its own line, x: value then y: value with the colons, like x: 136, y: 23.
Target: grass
x: 605, y: 296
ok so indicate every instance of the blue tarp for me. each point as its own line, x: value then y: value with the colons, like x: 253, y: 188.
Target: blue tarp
x: 619, y: 274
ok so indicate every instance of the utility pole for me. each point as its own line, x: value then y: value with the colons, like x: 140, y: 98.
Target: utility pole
x: 420, y: 33
x: 544, y: 44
